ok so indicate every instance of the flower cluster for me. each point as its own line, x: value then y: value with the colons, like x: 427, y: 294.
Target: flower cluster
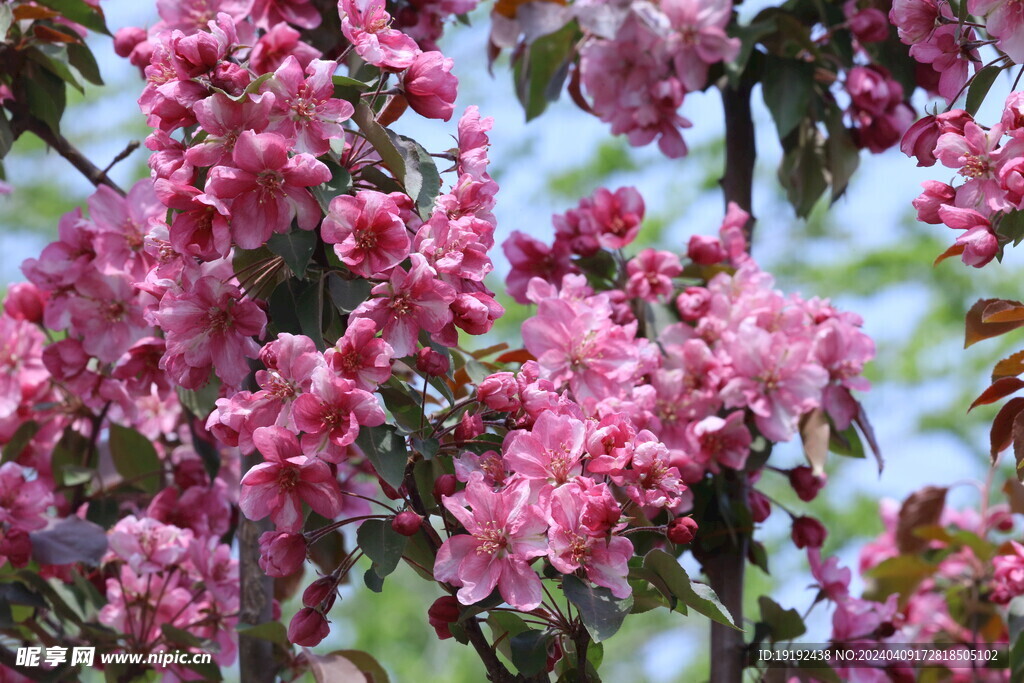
x: 989, y: 163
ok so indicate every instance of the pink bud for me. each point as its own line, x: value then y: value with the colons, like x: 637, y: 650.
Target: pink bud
x: 920, y: 139
x: 682, y: 530
x: 432, y: 363
x: 406, y: 523
x: 25, y: 301
x: 430, y: 87
x: 805, y: 483
x: 281, y: 553
x: 808, y: 532
x: 16, y: 546
x: 444, y: 486
x: 127, y: 38
x: 760, y: 506
x: 308, y: 627
x: 499, y: 392
x: 693, y: 303
x: 470, y: 427
x: 190, y: 472
x: 935, y: 195
x: 444, y: 611
x: 870, y: 25
x: 705, y: 250
x: 321, y: 590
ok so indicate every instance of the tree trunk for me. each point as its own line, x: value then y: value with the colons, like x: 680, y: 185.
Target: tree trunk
x: 255, y: 655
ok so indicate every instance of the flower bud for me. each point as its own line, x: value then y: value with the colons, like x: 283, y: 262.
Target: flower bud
x: 308, y: 627
x: 25, y: 301
x: 705, y: 250
x: 322, y: 589
x: 693, y: 303
x: 760, y: 507
x: 499, y: 392
x: 16, y: 546
x: 870, y: 25
x: 444, y: 486
x: 432, y: 363
x: 406, y: 523
x: 430, y: 87
x: 470, y: 427
x: 805, y: 482
x: 281, y: 553
x: 444, y: 611
x: 682, y: 530
x: 808, y: 532
x: 127, y: 38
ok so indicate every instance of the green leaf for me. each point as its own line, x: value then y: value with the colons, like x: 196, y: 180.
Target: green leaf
x: 1011, y: 227
x: 366, y: 663
x: 379, y: 138
x: 135, y: 458
x: 6, y: 134
x: 697, y: 596
x: 846, y: 442
x: 787, y: 87
x: 203, y: 400
x: 802, y: 171
x: 373, y: 581
x: 80, y: 13
x: 70, y: 540
x: 71, y: 450
x: 273, y: 631
x: 382, y: 544
x: 841, y: 154
x: 403, y: 405
x: 349, y: 89
x: 6, y: 19
x: 602, y: 613
x: 1016, y: 624
x: 420, y: 177
x: 296, y: 248
x: 45, y: 95
x: 530, y: 651
x: 785, y: 624
x: 347, y: 294
x: 179, y: 636
x: 901, y: 574
x: 748, y: 35
x: 21, y: 438
x: 980, y: 85
x: 541, y: 70
x: 81, y: 57
x: 53, y: 60
x: 386, y: 452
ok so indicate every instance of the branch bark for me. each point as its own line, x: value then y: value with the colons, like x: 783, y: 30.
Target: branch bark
x: 725, y: 568
x: 255, y: 655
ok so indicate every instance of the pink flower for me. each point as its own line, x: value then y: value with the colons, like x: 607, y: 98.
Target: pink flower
x: 935, y: 194
x: 147, y: 545
x: 267, y: 188
x: 1004, y: 20
x: 23, y: 502
x: 209, y: 325
x: 306, y: 110
x: 1008, y: 578
x: 333, y: 410
x: 505, y: 533
x: 408, y: 302
x: 367, y: 232
x: 224, y: 119
x: 552, y: 452
x: 572, y: 546
x: 278, y: 44
x: 614, y: 217
x: 979, y: 241
x: 107, y: 314
x: 808, y: 532
x: 650, y: 479
x: 702, y: 40
x: 366, y: 24
x: 308, y: 627
x: 430, y: 87
x: 273, y: 13
x: 833, y: 580
x: 721, y: 442
x: 914, y: 19
x: 532, y: 258
x: 650, y: 275
x: 361, y: 356
x: 775, y: 379
x: 25, y: 301
x: 279, y: 486
x: 949, y: 56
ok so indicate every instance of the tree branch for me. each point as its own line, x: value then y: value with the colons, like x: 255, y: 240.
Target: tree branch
x: 740, y: 149
x: 24, y: 121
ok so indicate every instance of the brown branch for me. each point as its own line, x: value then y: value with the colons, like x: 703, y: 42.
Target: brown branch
x: 255, y: 655
x: 740, y: 149
x: 24, y: 121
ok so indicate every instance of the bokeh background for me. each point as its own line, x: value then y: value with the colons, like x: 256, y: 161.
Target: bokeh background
x: 866, y: 252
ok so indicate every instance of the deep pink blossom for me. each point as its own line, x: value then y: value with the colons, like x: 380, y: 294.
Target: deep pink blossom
x: 224, y: 119
x: 650, y: 274
x: 367, y: 25
x: 979, y: 239
x: 305, y: 109
x: 360, y: 355
x: 407, y: 303
x: 430, y: 87
x: 333, y: 410
x: 367, y: 232
x: 505, y: 533
x: 279, y: 486
x: 267, y: 189
x: 552, y: 452
x: 702, y: 39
